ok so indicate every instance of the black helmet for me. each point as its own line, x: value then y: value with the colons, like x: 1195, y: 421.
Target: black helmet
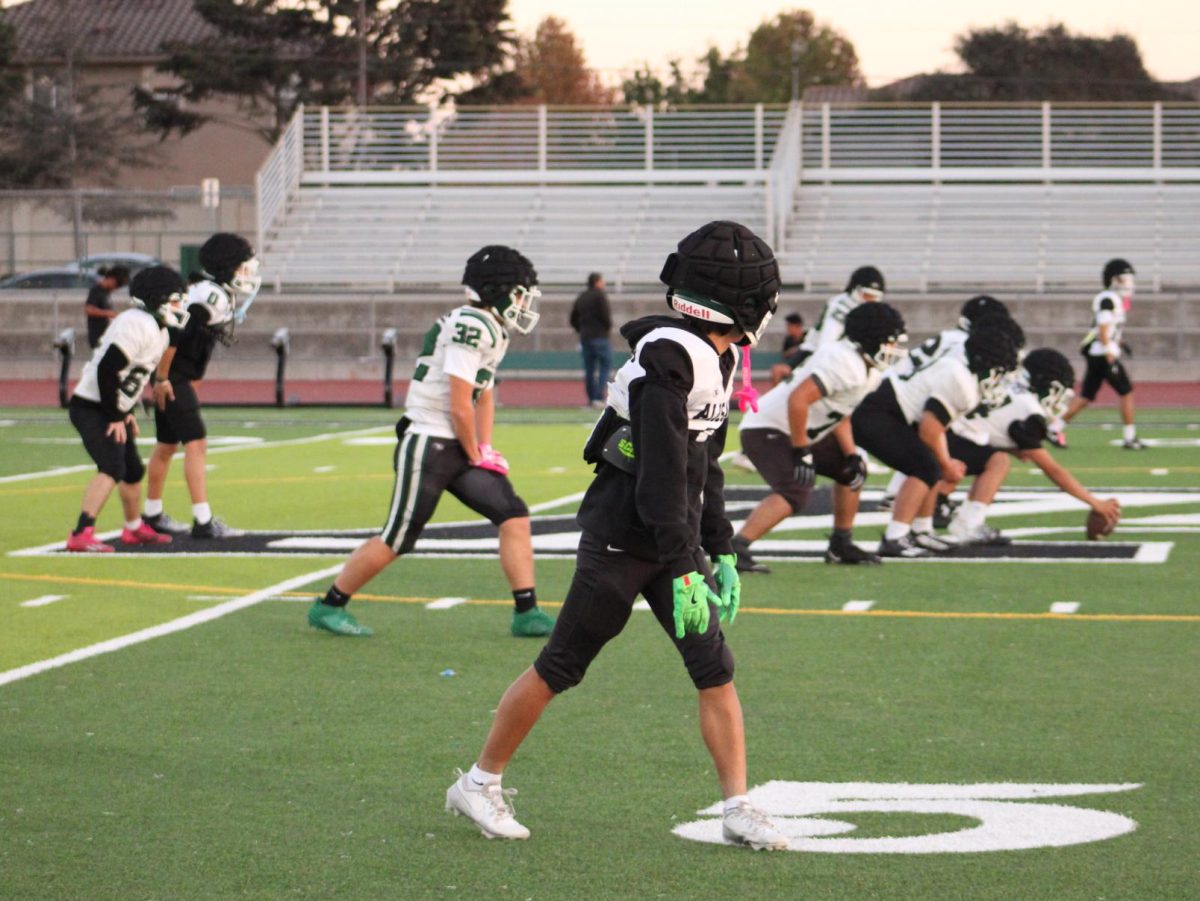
x: 866, y: 277
x: 979, y: 305
x: 504, y: 279
x: 723, y: 273
x: 1001, y: 322
x: 877, y: 329
x: 1116, y: 267
x: 154, y: 289
x: 222, y: 255
x: 1049, y: 375
x: 991, y: 355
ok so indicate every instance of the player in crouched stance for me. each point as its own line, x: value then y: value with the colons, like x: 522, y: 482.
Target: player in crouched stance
x: 102, y: 407
x: 651, y: 518
x: 987, y: 438
x: 802, y: 429
x: 445, y: 443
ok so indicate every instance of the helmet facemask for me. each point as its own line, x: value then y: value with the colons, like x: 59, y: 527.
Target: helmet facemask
x: 889, y: 353
x: 514, y: 309
x: 1056, y: 400
x: 863, y: 294
x: 993, y: 386
x: 705, y: 309
x: 1123, y: 284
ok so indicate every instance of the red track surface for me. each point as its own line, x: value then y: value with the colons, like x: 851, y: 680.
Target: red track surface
x: 512, y: 393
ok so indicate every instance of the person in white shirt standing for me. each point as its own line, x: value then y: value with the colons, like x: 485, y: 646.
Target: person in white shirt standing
x: 802, y: 429
x: 445, y: 443
x: 102, y: 407
x: 1102, y: 347
x: 866, y: 285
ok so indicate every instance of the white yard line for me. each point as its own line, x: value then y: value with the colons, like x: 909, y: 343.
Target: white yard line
x: 283, y: 442
x: 167, y: 628
x: 1064, y: 607
x: 857, y: 606
x: 445, y: 603
x: 43, y: 600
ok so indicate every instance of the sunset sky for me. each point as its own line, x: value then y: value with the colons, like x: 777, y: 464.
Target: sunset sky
x: 893, y: 39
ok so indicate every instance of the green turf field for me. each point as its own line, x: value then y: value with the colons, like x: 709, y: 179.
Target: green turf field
x: 248, y: 756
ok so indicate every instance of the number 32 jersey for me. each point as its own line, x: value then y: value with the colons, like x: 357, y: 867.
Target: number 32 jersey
x: 467, y: 343
x: 142, y: 340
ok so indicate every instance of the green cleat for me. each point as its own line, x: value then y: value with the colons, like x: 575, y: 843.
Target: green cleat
x: 336, y: 620
x: 532, y: 624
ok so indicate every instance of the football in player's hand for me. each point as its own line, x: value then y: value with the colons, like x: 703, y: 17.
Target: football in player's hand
x: 1099, y: 525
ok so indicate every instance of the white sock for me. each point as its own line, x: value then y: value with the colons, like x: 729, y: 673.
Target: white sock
x: 893, y: 488
x: 896, y: 530
x: 202, y: 512
x: 134, y: 525
x: 153, y: 507
x: 923, y: 524
x: 974, y: 513
x: 735, y: 802
x: 1130, y: 432
x: 479, y: 778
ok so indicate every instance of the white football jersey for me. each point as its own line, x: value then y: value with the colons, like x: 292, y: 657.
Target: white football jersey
x: 708, y: 399
x: 945, y: 379
x: 939, y: 345
x: 214, y: 298
x: 844, y: 378
x: 831, y: 324
x: 467, y: 343
x: 991, y: 425
x: 138, y: 335
x: 1108, y: 308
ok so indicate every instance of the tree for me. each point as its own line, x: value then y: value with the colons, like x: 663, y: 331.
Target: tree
x: 1012, y: 63
x: 548, y: 67
x: 645, y: 87
x: 270, y: 55
x: 761, y: 72
x: 764, y: 73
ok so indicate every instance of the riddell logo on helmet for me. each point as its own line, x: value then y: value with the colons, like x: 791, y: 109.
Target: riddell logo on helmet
x: 691, y: 309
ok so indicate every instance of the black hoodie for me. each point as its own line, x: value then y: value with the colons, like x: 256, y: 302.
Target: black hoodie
x: 675, y: 503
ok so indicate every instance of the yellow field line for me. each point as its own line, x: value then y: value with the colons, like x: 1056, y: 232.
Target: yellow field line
x: 765, y: 611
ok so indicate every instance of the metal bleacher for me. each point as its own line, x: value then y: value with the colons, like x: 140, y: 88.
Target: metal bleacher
x: 944, y: 198
x: 387, y: 236
x: 1007, y: 237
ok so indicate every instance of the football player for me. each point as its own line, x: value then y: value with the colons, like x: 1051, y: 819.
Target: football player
x: 972, y: 311
x: 904, y: 421
x: 987, y: 438
x: 102, y: 407
x: 216, y: 303
x: 802, y: 429
x: 445, y: 442
x: 1102, y: 347
x: 651, y: 519
x: 866, y: 285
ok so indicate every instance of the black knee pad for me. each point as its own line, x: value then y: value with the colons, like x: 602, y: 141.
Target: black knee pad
x: 135, y: 469
x: 559, y: 671
x: 709, y: 661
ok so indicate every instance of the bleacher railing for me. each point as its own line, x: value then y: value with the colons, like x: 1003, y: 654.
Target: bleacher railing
x: 279, y: 176
x: 417, y: 144
x: 1001, y: 142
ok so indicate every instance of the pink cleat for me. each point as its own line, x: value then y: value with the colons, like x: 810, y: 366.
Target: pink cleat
x: 86, y: 542
x: 143, y: 534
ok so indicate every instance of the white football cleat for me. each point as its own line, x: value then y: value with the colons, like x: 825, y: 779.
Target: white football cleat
x: 747, y: 825
x: 937, y: 544
x: 487, y: 807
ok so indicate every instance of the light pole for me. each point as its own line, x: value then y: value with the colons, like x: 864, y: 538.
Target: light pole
x: 798, y: 48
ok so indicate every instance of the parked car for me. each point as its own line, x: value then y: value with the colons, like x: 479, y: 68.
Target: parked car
x: 49, y: 279
x: 134, y: 262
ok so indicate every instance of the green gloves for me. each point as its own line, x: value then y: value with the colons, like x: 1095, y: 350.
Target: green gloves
x: 691, y: 595
x: 729, y: 583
